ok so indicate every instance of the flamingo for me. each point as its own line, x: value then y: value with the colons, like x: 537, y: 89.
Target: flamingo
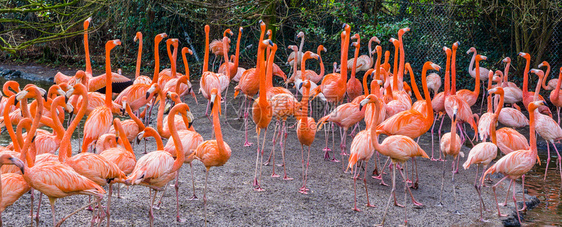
x: 470, y: 97
x: 483, y: 153
x: 511, y: 117
x: 54, y: 179
x: 99, y: 120
x: 218, y: 48
x: 547, y: 127
x: 486, y: 119
x: 434, y: 83
x: 464, y: 112
x: 365, y: 61
x: 399, y: 148
x: 106, y: 141
x: 138, y: 78
x: 353, y: 86
x: 213, y: 153
x: 412, y: 123
x: 209, y: 80
x: 291, y: 58
x: 551, y: 83
x: 516, y: 164
x: 131, y: 127
x: 306, y: 131
x: 261, y: 108
x: 232, y: 67
x: 450, y: 144
x: 50, y: 142
x: 314, y: 78
x: 248, y: 84
x: 13, y: 186
x: 333, y: 85
x: 157, y: 168
x: 283, y: 105
x: 555, y: 95
x: 169, y: 73
x: 528, y: 96
x: 479, y: 73
x: 401, y: 101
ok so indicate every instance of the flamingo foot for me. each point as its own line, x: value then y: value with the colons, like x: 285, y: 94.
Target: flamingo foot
x: 274, y: 175
x: 484, y: 220
x: 370, y: 205
x: 334, y: 160
x: 502, y: 204
x: 304, y: 190
x: 248, y: 144
x: 378, y: 177
x: 398, y: 204
x: 502, y: 215
x: 193, y: 197
x: 417, y: 204
x: 458, y: 212
x: 287, y: 178
x: 356, y: 209
x: 524, y: 208
x: 326, y: 149
x: 280, y: 165
x: 180, y: 220
x: 414, y: 186
x: 259, y: 189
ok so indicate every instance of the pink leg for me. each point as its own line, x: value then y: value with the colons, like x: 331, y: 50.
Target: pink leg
x: 284, y: 138
x: 523, y: 189
x: 257, y: 186
x: 558, y: 111
x: 382, y: 172
x: 326, y: 148
x: 496, y: 197
x: 516, y: 208
x: 355, y: 175
x: 432, y: 137
x: 559, y: 162
x: 391, y: 195
x: 439, y: 134
x: 547, y: 159
x: 365, y: 182
x: 177, y: 187
x: 246, y: 114
x: 306, y: 173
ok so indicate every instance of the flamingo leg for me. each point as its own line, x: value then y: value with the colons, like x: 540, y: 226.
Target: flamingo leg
x: 439, y: 135
x: 547, y: 159
x: 207, y: 111
x: 31, y: 209
x: 482, y: 206
x: 74, y: 212
x: 440, y: 204
x: 333, y: 142
x: 355, y: 175
x: 483, y: 98
x: 523, y: 189
x: 382, y: 172
x: 38, y: 208
x: 416, y: 203
x: 496, y: 197
x: 391, y: 193
x: 365, y: 182
x: 515, y: 202
x: 506, y: 196
x: 455, y: 190
x: 109, y: 203
x: 415, y: 166
x: 306, y: 171
x: 302, y: 189
x: 194, y: 197
x: 284, y: 138
x: 205, y: 195
x: 257, y: 186
x: 406, y: 187
x: 326, y: 148
x: 432, y: 137
x: 161, y: 197
x: 177, y: 187
x: 246, y: 114
x: 151, y: 211
x: 558, y: 111
x: 559, y: 161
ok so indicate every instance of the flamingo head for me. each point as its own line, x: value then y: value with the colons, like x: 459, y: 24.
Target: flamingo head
x: 447, y: 51
x: 395, y: 42
x: 544, y: 63
x: 525, y: 55
x: 497, y: 90
x: 300, y: 35
x: 472, y: 49
x: 138, y: 36
x: 228, y: 31
x: 455, y: 110
x: 538, y: 72
x: 7, y: 159
x: 369, y: 99
x: 507, y: 60
x: 87, y: 23
x: 480, y: 57
x: 215, y: 98
x: 186, y: 50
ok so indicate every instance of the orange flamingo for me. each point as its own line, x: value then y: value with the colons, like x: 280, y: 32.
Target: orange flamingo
x: 486, y: 119
x: 450, y: 144
x: 123, y: 157
x: 106, y: 141
x: 516, y: 164
x: 551, y: 83
x: 249, y: 85
x: 528, y: 96
x: 99, y: 120
x: 131, y: 127
x: 483, y: 153
x: 261, y: 110
x: 470, y: 97
x: 547, y: 127
x: 464, y: 112
x: 314, y: 78
x: 479, y: 73
x: 555, y: 95
x: 353, y: 86
x: 169, y: 73
x: 213, y: 153
x: 138, y: 78
x: 181, y: 85
x: 218, y: 49
x: 283, y: 105
x: 306, y: 130
x: 12, y: 186
x: 209, y: 80
x: 399, y: 148
x: 54, y: 179
x: 232, y: 67
x: 157, y: 168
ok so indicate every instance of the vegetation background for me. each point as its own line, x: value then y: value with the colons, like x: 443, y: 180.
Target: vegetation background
x: 50, y: 31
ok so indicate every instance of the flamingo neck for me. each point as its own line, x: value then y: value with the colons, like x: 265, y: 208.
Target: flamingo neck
x: 87, y: 50
x: 453, y: 144
x: 304, y: 105
x: 173, y: 61
x: 180, y: 157
x: 206, y: 58
x: 269, y: 72
x: 499, y: 106
x: 489, y: 98
x: 477, y: 78
x: 538, y: 89
x: 386, y: 59
x: 532, y: 135
x: 356, y: 55
x: 237, y: 51
x: 343, y: 73
x: 429, y: 109
x: 454, y: 72
x: 157, y: 60
x: 126, y: 142
x: 139, y: 57
x: 58, y: 128
x: 226, y: 62
x: 396, y: 56
x: 374, y: 134
x: 546, y: 74
x: 447, y: 76
x: 66, y: 147
x: 108, y: 80
x: 493, y: 136
x: 217, y: 128
x: 365, y: 87
x: 8, y: 123
x: 413, y: 82
x: 134, y: 117
x: 19, y: 131
x: 556, y: 91
x: 470, y: 69
x: 321, y: 65
x: 295, y: 68
x: 401, y: 65
x: 526, y: 78
x: 160, y: 118
x: 31, y: 133
x: 300, y: 47
x: 505, y: 72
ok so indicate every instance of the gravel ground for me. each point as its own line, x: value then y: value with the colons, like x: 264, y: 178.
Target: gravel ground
x: 232, y: 200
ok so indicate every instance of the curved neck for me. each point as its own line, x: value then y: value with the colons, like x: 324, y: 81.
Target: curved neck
x: 489, y: 98
x: 300, y: 46
x: 66, y: 147
x: 538, y: 89
x: 87, y: 50
x: 160, y: 117
x: 499, y: 106
x: 226, y: 63
x: 428, y: 109
x: 526, y: 77
x: 134, y: 117
x: 31, y: 133
x: 217, y: 127
x: 173, y: 60
x: 365, y: 87
x: 25, y: 123
x: 374, y: 134
x: 124, y: 138
x: 58, y: 128
x: 108, y: 80
x: 180, y: 157
x: 505, y: 72
x: 413, y: 82
x: 185, y: 65
x: 139, y: 57
x: 8, y: 123
x: 295, y: 68
x: 149, y: 131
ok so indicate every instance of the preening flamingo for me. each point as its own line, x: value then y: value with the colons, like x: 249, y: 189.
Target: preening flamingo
x: 213, y: 153
x: 516, y: 164
x: 99, y: 120
x: 218, y: 49
x: 450, y: 144
x: 399, y: 148
x: 157, y: 168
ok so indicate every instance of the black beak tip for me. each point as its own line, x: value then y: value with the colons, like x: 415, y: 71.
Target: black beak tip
x: 300, y: 86
x: 22, y: 170
x: 66, y: 99
x: 15, y: 102
x: 147, y: 95
x: 45, y: 97
x: 360, y: 107
x: 270, y: 42
x: 33, y: 139
x: 190, y: 124
x: 343, y: 26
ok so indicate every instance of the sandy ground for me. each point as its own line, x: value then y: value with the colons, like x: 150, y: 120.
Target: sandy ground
x: 232, y: 200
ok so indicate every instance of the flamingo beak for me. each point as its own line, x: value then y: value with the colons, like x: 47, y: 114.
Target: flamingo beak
x: 140, y: 136
x: 17, y: 162
x: 213, y: 97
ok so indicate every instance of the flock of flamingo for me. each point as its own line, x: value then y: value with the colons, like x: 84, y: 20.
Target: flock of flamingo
x: 385, y: 105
